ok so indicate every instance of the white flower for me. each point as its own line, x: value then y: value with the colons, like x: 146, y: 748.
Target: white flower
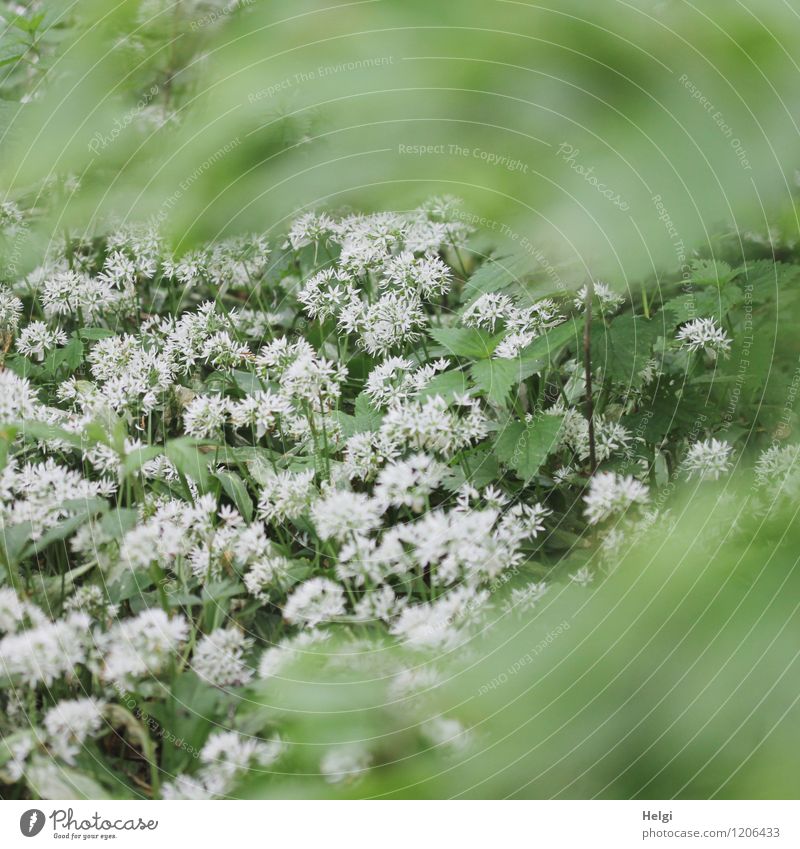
x: 259, y: 411
x: 340, y: 513
x: 37, y: 339
x: 205, y: 416
x: 69, y: 723
x: 17, y: 397
x: 610, y: 493
x: 430, y: 425
x: 704, y: 333
x: 47, y: 652
x: 524, y: 599
x: 226, y: 756
x: 487, y: 310
x: 381, y: 604
x: 262, y: 575
x: 427, y: 275
x: 607, y: 300
x: 286, y: 495
x: 10, y: 310
x: 708, y: 459
x: 447, y: 732
x: 344, y: 763
x: 315, y: 601
x: 582, y: 577
x: 139, y: 646
x: 779, y: 466
x: 409, y: 483
x: 15, y: 613
x: 219, y: 658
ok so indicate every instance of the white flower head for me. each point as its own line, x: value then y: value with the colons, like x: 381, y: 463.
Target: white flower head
x: 315, y: 601
x: 708, y: 459
x: 705, y: 334
x: 610, y: 494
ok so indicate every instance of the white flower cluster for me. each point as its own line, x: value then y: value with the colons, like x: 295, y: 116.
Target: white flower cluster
x: 198, y: 497
x: 521, y: 324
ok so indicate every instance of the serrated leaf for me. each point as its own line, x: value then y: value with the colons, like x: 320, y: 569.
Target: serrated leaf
x: 465, y: 341
x: 499, y: 272
x: 496, y: 377
x: 447, y: 384
x: 367, y: 417
x: 546, y: 348
x: 524, y: 446
x: 623, y: 348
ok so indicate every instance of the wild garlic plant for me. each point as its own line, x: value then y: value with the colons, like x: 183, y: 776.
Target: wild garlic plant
x: 214, y: 462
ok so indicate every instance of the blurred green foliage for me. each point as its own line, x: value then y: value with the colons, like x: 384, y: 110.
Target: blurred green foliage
x: 261, y: 108
x: 675, y: 677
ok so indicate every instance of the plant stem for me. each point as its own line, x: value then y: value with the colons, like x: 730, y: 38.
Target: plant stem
x: 587, y: 362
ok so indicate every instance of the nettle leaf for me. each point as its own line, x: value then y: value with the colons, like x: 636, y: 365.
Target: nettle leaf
x: 69, y: 357
x: 467, y: 342
x: 447, y: 384
x: 767, y: 277
x: 708, y: 303
x: 499, y: 272
x: 623, y: 348
x: 544, y: 350
x: 483, y: 469
x: 367, y: 416
x: 524, y: 446
x: 496, y: 377
x: 709, y: 272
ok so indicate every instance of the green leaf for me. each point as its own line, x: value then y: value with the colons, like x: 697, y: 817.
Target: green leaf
x: 61, y: 783
x: 524, y: 446
x: 623, y: 349
x: 136, y: 459
x: 496, y: 377
x: 499, y: 272
x: 708, y: 303
x: 117, y: 522
x: 189, y: 461
x: 447, y: 384
x: 84, y: 509
x: 237, y: 492
x: 465, y: 341
x: 367, y: 417
x: 93, y: 334
x: 544, y: 350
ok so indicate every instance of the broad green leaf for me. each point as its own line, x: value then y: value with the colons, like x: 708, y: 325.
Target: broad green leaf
x: 499, y: 272
x: 189, y: 460
x: 447, y: 384
x: 61, y: 782
x: 524, y: 446
x: 496, y: 377
x: 623, y: 349
x: 546, y: 348
x: 366, y: 415
x: 94, y: 334
x: 465, y: 341
x: 237, y: 492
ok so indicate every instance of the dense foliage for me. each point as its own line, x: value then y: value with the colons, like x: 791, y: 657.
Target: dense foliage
x: 216, y: 463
